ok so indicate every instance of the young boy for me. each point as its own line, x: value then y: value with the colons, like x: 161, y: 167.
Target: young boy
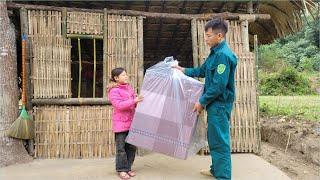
x: 218, y: 71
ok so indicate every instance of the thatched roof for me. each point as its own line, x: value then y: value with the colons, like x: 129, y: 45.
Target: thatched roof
x: 172, y: 36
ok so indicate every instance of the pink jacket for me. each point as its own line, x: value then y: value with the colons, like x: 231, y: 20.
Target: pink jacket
x: 122, y: 99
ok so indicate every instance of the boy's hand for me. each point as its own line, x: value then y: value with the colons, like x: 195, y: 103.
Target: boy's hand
x: 179, y: 68
x: 138, y: 99
x: 198, y: 108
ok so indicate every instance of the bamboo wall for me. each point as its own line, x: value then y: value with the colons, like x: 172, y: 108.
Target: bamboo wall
x: 85, y: 131
x: 244, y: 125
x: 73, y: 132
x: 234, y: 38
x: 50, y: 55
x: 44, y: 22
x: 122, y: 46
x: 51, y: 67
x: 78, y: 131
x: 84, y: 23
x: 244, y: 128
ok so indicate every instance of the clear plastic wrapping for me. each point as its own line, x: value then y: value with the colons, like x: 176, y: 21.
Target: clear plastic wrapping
x: 164, y: 121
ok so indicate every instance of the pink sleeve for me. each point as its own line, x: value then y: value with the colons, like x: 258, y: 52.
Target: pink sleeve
x: 134, y: 96
x: 118, y: 102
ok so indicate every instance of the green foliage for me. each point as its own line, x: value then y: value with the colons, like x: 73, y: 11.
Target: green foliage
x: 310, y: 64
x: 270, y: 59
x: 286, y: 82
x: 300, y: 50
x: 286, y: 65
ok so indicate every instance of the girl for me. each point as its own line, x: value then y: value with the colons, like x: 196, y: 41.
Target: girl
x: 124, y: 101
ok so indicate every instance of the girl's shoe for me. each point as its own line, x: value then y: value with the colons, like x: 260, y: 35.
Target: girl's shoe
x: 123, y: 175
x: 131, y: 173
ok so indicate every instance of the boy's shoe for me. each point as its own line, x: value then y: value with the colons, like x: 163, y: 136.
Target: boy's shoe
x: 206, y: 172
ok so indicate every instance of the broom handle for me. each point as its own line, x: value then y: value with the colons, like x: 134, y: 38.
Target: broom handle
x: 24, y: 78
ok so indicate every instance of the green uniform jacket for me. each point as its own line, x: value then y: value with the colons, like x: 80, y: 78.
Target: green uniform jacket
x: 218, y: 71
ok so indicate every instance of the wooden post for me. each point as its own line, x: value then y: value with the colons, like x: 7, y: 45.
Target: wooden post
x: 140, y: 152
x: 84, y: 36
x: 11, y: 150
x: 207, y: 16
x: 256, y: 52
x: 80, y: 68
x: 72, y: 101
x: 105, y: 51
x: 140, y: 52
x: 24, y: 30
x: 64, y: 22
x: 250, y: 7
x: 194, y: 42
x: 245, y: 35
x: 94, y: 68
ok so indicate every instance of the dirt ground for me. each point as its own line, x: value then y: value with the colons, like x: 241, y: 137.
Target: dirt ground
x: 149, y: 167
x: 293, y: 146
x: 290, y: 145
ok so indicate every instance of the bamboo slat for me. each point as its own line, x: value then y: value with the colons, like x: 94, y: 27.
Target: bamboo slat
x: 105, y: 51
x: 94, y: 68
x: 137, y: 50
x: 256, y: 96
x: 80, y: 68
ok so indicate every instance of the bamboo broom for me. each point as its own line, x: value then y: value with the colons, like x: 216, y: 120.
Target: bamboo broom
x: 23, y: 127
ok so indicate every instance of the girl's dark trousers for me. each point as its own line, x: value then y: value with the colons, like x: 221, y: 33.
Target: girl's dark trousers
x: 125, y: 153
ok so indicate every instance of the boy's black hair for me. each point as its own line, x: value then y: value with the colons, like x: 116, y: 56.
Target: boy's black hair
x: 116, y: 72
x: 217, y: 24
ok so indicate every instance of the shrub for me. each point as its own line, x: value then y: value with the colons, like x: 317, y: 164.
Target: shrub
x: 286, y: 82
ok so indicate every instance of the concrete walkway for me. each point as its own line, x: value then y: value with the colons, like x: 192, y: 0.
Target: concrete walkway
x: 149, y: 167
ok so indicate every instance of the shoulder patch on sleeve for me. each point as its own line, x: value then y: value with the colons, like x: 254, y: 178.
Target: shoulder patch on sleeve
x: 221, y: 68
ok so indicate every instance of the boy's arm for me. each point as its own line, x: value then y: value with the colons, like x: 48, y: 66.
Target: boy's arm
x: 218, y: 82
x: 196, y: 72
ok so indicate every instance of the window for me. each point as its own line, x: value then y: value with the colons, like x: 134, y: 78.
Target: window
x: 86, y: 72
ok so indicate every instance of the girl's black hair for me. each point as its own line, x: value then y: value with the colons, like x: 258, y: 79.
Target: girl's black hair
x: 115, y: 73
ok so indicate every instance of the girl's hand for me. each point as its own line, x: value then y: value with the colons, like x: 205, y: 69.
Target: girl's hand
x: 138, y: 99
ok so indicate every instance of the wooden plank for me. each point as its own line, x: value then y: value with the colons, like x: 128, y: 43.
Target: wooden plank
x: 94, y: 68
x: 140, y: 51
x: 64, y: 22
x: 258, y: 133
x: 72, y: 101
x: 194, y: 42
x: 225, y: 15
x: 252, y: 103
x: 111, y: 36
x: 80, y: 68
x: 245, y: 35
x: 24, y: 30
x: 84, y: 36
x: 105, y: 51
